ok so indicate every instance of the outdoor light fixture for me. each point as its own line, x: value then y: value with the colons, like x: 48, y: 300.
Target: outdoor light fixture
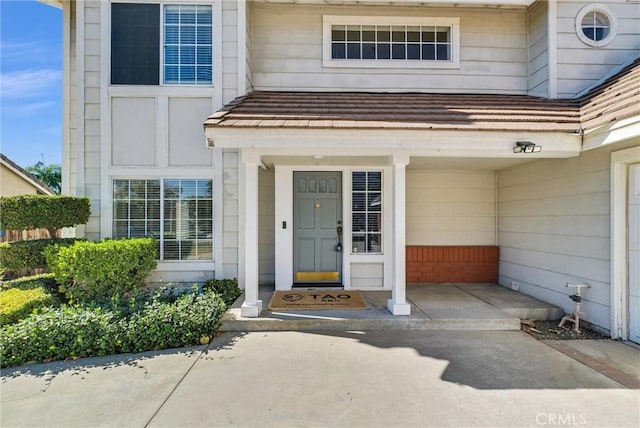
x: 526, y: 147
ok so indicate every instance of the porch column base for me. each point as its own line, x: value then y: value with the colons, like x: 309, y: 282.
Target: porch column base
x: 251, y: 311
x: 398, y: 308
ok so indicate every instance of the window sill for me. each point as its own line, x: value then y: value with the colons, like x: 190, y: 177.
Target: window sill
x: 390, y: 64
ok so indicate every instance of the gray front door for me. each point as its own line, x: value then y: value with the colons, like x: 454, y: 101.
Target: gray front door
x: 317, y: 223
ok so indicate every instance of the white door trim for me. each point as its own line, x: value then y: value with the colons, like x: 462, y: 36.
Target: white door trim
x: 620, y: 161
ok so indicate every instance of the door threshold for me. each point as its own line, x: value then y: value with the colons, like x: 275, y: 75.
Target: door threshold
x: 318, y: 285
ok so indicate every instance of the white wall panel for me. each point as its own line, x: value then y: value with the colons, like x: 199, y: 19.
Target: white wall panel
x: 266, y: 224
x: 451, y: 207
x: 133, y: 131
x: 186, y: 135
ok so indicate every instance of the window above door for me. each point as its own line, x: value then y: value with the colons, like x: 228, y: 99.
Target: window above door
x: 391, y: 42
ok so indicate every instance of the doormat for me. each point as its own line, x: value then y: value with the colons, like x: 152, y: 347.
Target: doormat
x: 317, y: 299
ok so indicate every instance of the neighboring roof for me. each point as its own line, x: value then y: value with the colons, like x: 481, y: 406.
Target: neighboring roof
x: 39, y: 185
x: 616, y: 98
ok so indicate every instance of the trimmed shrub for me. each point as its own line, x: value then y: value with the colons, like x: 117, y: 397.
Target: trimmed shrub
x: 124, y: 325
x: 97, y: 270
x: 227, y: 289
x: 26, y: 255
x: 44, y: 279
x: 18, y: 303
x: 43, y: 211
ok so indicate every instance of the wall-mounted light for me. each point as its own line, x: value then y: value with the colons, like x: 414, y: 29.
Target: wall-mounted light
x: 526, y: 147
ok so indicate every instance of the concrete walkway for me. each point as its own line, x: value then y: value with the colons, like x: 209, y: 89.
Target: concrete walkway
x: 433, y: 307
x: 318, y: 379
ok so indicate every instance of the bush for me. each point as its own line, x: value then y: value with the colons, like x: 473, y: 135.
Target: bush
x: 124, y: 325
x: 227, y: 289
x: 18, y: 303
x: 45, y: 279
x: 43, y: 211
x: 97, y: 270
x: 27, y: 255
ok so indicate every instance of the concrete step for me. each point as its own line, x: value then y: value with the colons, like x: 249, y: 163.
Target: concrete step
x: 433, y: 307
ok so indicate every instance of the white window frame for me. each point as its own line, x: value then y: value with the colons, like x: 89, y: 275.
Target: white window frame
x: 161, y: 179
x: 613, y: 29
x: 329, y: 20
x: 216, y: 45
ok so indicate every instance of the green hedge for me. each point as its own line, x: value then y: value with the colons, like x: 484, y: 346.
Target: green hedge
x: 26, y: 255
x: 129, y: 325
x: 97, y: 270
x: 19, y: 302
x: 227, y: 289
x: 43, y: 211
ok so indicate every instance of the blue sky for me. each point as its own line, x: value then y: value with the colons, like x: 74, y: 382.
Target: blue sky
x: 30, y: 82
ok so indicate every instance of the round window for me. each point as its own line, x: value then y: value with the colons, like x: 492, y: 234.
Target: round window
x: 595, y: 25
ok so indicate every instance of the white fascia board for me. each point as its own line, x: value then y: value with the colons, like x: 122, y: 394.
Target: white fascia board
x: 54, y: 3
x: 371, y: 142
x: 621, y: 130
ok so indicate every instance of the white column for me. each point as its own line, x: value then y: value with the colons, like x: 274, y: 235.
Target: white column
x: 398, y: 305
x: 252, y: 306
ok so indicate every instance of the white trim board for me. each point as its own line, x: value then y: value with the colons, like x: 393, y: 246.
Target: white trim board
x: 620, y: 162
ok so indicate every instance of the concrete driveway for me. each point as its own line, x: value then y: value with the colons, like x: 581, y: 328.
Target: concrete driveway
x: 312, y: 379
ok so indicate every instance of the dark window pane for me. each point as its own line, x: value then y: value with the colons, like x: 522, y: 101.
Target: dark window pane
x: 353, y: 33
x: 428, y: 34
x: 359, y: 180
x: 353, y: 50
x: 373, y: 222
x: 443, y: 53
x: 384, y: 34
x: 413, y: 51
x: 374, y: 181
x: 398, y: 51
x: 359, y: 202
x: 135, y: 44
x: 398, y: 34
x: 338, y: 51
x: 338, y: 33
x: 368, y: 51
x: 384, y: 51
x: 442, y: 34
x: 429, y: 51
x: 413, y: 34
x: 589, y: 32
x: 359, y: 222
x: 368, y: 34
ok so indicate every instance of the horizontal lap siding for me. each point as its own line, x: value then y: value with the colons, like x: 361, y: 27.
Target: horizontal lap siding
x: 554, y: 228
x: 287, y: 52
x: 579, y: 65
x: 452, y: 264
x: 538, y: 50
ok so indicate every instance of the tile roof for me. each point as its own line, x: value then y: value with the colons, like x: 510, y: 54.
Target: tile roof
x: 617, y: 97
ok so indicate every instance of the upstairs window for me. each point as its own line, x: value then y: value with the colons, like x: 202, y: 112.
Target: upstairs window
x: 391, y: 42
x: 595, y: 25
x: 186, y: 32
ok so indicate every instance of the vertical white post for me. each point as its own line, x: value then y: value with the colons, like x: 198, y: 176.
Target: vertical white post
x: 252, y: 306
x: 398, y: 305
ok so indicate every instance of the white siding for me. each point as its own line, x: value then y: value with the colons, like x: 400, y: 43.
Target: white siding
x: 249, y: 44
x: 266, y: 224
x: 91, y: 113
x: 538, y: 50
x: 230, y: 213
x: 367, y: 275
x: 229, y: 50
x: 579, y: 65
x: 451, y: 207
x: 554, y: 229
x: 287, y: 52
